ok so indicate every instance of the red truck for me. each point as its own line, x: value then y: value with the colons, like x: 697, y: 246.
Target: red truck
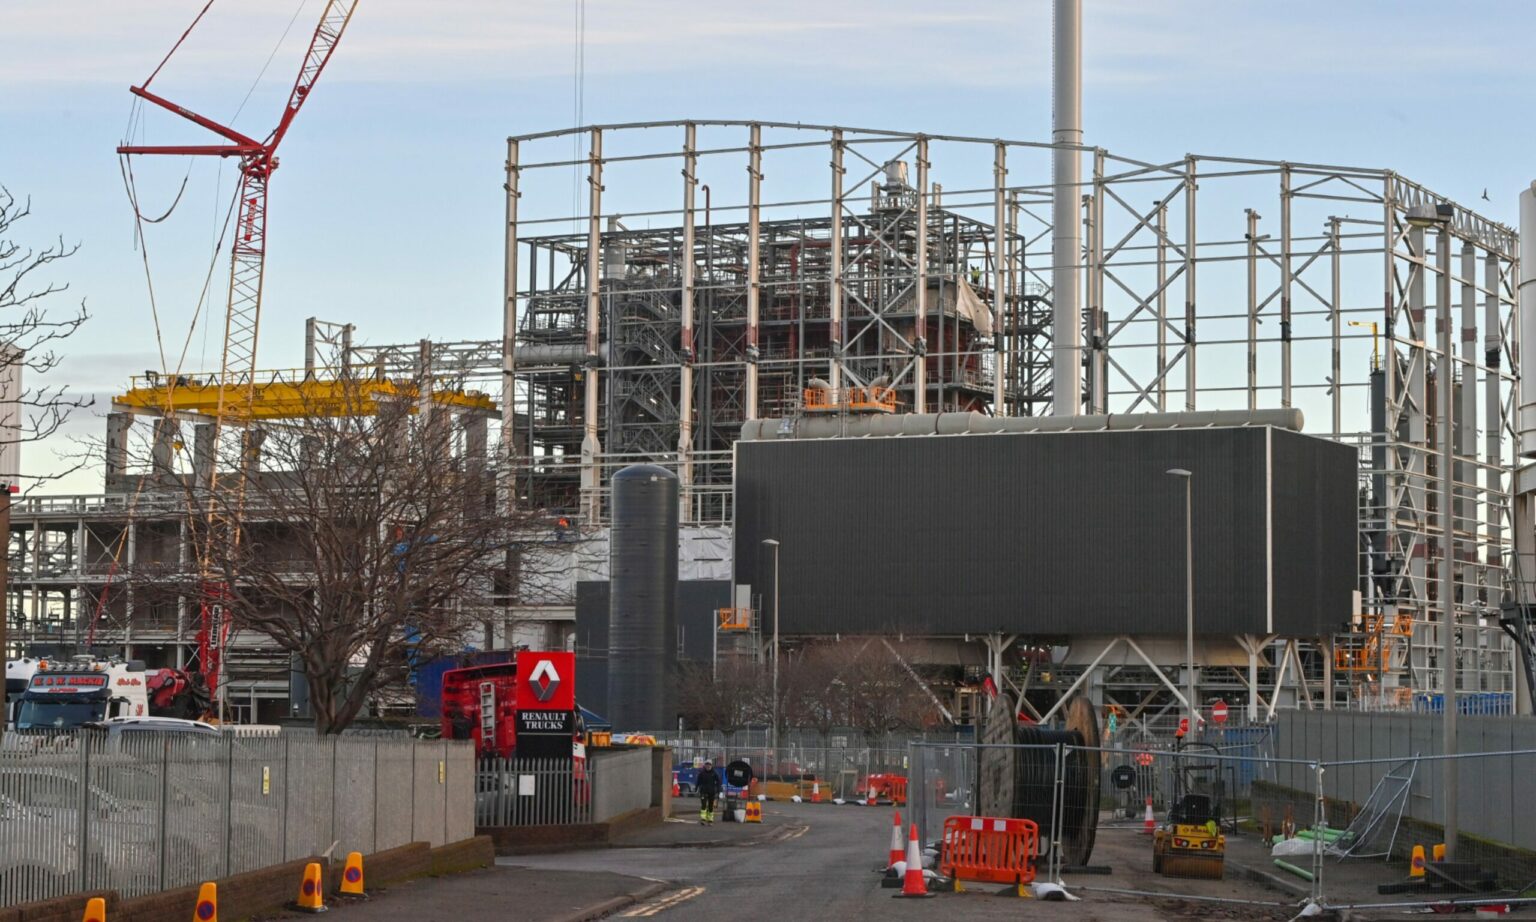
x: 485, y: 704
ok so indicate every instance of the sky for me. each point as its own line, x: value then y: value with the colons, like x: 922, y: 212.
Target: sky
x: 387, y: 208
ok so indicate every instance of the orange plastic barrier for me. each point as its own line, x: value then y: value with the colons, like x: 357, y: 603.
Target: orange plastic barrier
x: 887, y: 787
x: 990, y: 849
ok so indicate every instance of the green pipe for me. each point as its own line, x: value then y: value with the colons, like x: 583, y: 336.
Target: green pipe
x: 1287, y: 866
x: 1329, y: 835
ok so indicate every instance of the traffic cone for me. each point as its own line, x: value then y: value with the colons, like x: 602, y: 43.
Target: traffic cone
x: 912, y: 883
x: 352, y: 875
x: 207, y: 909
x: 871, y: 801
x: 1416, y: 866
x: 1438, y: 852
x: 1148, y: 824
x: 95, y: 910
x: 311, y: 890
x: 677, y: 789
x: 815, y: 792
x: 895, y: 854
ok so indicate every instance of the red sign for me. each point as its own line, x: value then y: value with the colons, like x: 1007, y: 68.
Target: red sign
x: 1183, y: 727
x: 1219, y: 712
x: 546, y: 681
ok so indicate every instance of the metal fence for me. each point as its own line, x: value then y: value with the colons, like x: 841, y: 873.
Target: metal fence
x: 1369, y: 811
x: 559, y: 792
x: 144, y: 812
x: 533, y: 792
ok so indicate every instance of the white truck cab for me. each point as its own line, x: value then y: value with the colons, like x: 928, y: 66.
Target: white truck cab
x: 63, y: 694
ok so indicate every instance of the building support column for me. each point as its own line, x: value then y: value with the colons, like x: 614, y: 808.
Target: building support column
x: 1066, y: 240
x: 506, y: 463
x: 754, y: 264
x: 591, y: 447
x: 685, y: 373
x: 1000, y: 274
x: 920, y: 331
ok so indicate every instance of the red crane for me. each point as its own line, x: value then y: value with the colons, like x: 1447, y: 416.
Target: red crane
x: 237, y: 367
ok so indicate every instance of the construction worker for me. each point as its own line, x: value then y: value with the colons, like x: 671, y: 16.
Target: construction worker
x: 709, y: 792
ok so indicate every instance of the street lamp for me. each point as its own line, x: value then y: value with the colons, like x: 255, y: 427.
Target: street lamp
x: 774, y: 546
x: 1189, y: 589
x: 1438, y: 217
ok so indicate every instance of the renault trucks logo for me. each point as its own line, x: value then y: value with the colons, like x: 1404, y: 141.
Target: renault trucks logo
x: 544, y: 681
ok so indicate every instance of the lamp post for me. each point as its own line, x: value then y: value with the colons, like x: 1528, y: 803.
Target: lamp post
x: 1438, y: 217
x: 774, y: 546
x: 1189, y: 590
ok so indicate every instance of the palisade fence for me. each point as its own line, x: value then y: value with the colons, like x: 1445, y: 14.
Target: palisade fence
x: 145, y: 812
x: 560, y: 792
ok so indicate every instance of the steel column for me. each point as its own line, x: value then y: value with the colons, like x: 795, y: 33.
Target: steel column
x: 920, y: 327
x: 1190, y: 245
x: 1447, y: 533
x: 509, y: 336
x: 1162, y: 306
x: 1285, y: 286
x: 1252, y: 235
x: 1493, y: 417
x: 685, y: 372
x: 1336, y: 322
x: 591, y: 477
x: 835, y: 279
x: 754, y: 262
x: 1000, y: 273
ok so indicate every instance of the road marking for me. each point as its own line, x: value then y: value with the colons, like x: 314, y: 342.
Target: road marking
x: 664, y: 903
x: 795, y: 833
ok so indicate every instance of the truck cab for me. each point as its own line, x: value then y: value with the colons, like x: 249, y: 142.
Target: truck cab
x: 63, y: 695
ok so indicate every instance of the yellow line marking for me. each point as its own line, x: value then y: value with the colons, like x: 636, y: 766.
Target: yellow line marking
x: 664, y: 903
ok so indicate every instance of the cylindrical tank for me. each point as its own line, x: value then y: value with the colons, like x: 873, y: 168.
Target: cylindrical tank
x: 642, y: 599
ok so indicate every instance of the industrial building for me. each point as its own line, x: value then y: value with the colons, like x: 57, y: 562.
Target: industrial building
x: 930, y: 329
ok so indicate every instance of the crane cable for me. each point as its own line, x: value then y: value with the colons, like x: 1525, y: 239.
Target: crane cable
x: 183, y: 38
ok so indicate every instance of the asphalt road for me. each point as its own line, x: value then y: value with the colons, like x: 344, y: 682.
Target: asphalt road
x: 827, y: 871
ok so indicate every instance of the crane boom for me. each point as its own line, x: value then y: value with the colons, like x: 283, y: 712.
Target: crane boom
x: 242, y: 317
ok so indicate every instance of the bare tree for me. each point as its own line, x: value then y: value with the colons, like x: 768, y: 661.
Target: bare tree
x: 727, y: 697
x: 30, y: 332
x: 357, y: 533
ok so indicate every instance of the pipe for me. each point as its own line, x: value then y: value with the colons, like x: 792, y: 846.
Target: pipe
x: 1066, y: 235
x: 1527, y: 301
x: 909, y: 424
x: 556, y: 354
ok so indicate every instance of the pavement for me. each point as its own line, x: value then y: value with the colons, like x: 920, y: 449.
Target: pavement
x: 819, y: 862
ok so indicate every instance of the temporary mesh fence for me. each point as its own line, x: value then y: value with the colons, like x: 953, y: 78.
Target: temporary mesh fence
x: 1345, y: 830
x: 143, y: 812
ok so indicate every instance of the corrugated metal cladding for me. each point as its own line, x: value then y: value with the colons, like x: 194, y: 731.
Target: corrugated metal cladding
x: 1049, y: 533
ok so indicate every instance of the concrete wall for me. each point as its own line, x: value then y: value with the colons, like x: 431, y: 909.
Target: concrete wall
x: 1494, y: 801
x: 622, y: 781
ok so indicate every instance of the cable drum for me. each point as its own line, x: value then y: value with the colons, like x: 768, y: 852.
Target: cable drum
x: 1021, y: 783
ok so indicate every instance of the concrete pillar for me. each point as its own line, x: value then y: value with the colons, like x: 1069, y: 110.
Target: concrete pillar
x: 118, y: 426
x: 163, y: 451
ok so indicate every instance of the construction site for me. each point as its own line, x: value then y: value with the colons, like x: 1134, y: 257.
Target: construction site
x: 1170, y: 511
x: 729, y: 283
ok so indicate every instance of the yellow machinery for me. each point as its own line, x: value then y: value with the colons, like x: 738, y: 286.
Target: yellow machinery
x: 285, y: 395
x: 1190, y: 842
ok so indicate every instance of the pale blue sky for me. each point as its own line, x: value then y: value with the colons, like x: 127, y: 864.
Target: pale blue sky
x: 387, y: 208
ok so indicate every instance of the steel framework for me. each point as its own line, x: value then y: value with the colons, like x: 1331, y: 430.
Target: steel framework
x: 647, y: 327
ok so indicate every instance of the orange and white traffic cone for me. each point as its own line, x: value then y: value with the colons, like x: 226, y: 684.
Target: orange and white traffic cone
x: 912, y: 883
x: 677, y: 789
x: 895, y: 854
x: 1148, y: 824
x: 871, y: 801
x: 815, y: 792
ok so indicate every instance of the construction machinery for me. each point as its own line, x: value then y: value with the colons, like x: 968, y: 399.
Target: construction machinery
x: 63, y: 695
x: 1190, y: 842
x: 234, y: 392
